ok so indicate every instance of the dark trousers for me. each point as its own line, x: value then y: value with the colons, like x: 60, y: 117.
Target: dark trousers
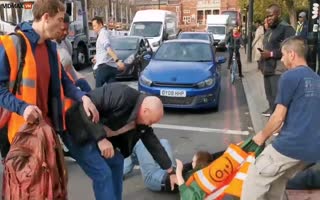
x: 271, y: 87
x: 237, y: 58
x: 105, y: 74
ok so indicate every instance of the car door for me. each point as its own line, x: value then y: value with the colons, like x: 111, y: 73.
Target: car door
x: 144, y: 49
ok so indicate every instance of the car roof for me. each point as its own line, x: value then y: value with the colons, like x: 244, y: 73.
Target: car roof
x: 187, y: 41
x: 203, y: 33
x: 133, y: 37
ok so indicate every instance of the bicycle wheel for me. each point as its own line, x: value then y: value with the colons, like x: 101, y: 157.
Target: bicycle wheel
x: 232, y: 75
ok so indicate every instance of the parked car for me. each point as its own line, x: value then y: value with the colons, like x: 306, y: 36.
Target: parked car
x: 131, y: 50
x: 198, y: 36
x: 184, y: 74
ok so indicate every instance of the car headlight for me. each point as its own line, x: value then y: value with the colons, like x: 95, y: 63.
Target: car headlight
x: 145, y: 81
x: 206, y: 83
x: 130, y: 59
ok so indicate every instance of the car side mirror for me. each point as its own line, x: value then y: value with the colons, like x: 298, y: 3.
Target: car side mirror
x: 221, y: 60
x: 156, y: 44
x: 147, y: 57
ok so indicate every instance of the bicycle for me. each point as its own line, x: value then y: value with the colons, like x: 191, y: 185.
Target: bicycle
x: 234, y: 74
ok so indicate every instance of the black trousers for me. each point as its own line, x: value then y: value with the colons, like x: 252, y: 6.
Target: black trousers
x: 105, y: 74
x: 271, y: 88
x: 4, y: 142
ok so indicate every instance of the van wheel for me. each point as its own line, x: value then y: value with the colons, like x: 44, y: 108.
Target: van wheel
x: 82, y: 59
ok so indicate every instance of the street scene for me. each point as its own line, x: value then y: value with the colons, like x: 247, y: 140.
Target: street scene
x: 159, y: 99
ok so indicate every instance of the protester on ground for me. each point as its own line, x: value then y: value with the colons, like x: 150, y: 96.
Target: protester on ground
x: 106, y: 62
x: 271, y: 66
x: 297, y: 116
x: 200, y: 160
x: 126, y: 117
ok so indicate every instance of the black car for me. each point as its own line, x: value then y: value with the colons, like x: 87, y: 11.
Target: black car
x: 198, y: 36
x: 131, y: 50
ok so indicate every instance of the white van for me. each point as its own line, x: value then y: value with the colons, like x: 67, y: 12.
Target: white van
x: 155, y: 25
x: 219, y: 26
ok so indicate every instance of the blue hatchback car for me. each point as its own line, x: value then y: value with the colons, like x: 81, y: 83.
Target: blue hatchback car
x: 183, y: 74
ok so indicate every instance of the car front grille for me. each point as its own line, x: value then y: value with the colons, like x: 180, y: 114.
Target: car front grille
x: 177, y: 100
x: 174, y: 85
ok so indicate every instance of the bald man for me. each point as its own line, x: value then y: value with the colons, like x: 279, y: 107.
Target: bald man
x: 126, y: 117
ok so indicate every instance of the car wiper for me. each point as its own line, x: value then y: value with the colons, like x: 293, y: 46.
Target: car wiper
x: 202, y: 61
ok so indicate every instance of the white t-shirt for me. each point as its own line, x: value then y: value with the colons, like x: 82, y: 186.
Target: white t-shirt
x: 65, y: 53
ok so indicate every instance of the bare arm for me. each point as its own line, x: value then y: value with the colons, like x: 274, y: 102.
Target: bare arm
x: 273, y: 125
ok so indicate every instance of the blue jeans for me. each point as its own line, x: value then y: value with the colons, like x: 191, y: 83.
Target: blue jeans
x: 151, y: 172
x: 106, y: 174
x: 105, y: 74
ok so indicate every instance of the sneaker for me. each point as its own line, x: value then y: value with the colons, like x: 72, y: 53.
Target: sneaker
x: 267, y: 113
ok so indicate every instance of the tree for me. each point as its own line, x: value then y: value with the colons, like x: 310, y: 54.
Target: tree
x: 289, y: 8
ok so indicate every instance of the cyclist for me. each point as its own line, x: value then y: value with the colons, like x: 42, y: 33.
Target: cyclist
x: 234, y: 41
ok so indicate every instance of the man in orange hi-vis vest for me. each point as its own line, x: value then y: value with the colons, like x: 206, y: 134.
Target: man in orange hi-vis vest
x: 297, y: 115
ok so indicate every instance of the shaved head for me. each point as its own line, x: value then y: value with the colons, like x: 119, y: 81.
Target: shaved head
x: 151, y: 111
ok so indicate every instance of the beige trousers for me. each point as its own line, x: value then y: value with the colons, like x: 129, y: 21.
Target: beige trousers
x: 268, y: 176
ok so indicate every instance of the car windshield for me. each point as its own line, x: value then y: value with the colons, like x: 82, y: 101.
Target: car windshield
x: 219, y: 30
x: 124, y: 43
x: 184, y: 52
x: 194, y: 36
x: 146, y: 29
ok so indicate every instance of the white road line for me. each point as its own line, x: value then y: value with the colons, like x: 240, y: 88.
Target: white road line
x: 200, y: 129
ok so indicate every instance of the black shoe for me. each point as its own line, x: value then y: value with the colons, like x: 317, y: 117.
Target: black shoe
x: 241, y: 75
x: 267, y: 113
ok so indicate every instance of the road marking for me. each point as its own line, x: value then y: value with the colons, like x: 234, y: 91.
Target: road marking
x: 200, y: 129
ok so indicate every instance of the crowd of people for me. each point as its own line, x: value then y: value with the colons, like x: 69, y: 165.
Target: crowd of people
x: 107, y: 130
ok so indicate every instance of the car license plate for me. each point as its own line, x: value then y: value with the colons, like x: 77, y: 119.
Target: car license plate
x: 173, y: 93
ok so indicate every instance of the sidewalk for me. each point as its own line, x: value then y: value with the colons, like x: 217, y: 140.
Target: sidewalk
x: 257, y: 103
x: 254, y: 90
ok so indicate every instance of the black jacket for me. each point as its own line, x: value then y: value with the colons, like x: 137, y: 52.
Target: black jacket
x: 118, y: 105
x: 272, y: 42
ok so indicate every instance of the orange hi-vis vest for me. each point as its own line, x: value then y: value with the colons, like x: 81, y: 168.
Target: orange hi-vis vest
x: 212, y: 177
x: 28, y: 86
x: 233, y: 185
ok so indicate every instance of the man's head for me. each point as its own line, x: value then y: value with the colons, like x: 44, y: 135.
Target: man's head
x: 302, y: 16
x: 151, y: 111
x: 65, y: 30
x: 273, y: 14
x: 294, y: 51
x: 48, y: 18
x: 97, y: 24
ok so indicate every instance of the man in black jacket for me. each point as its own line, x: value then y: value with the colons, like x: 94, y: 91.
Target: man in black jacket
x: 126, y: 117
x: 271, y: 65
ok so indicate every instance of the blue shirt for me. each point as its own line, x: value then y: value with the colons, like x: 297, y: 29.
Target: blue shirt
x: 102, y: 45
x: 299, y: 138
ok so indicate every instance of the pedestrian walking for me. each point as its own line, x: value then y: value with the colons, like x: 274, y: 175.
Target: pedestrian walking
x: 106, y: 62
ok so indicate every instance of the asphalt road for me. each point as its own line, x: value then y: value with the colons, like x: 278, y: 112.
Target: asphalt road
x: 187, y: 132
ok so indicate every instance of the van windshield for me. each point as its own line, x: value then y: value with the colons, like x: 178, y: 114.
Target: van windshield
x: 146, y: 29
x: 218, y: 30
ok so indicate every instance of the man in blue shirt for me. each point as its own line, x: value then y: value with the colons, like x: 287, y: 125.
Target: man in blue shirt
x: 297, y: 114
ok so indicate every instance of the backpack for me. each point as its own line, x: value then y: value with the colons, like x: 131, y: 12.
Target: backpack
x: 21, y: 50
x: 34, y: 167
